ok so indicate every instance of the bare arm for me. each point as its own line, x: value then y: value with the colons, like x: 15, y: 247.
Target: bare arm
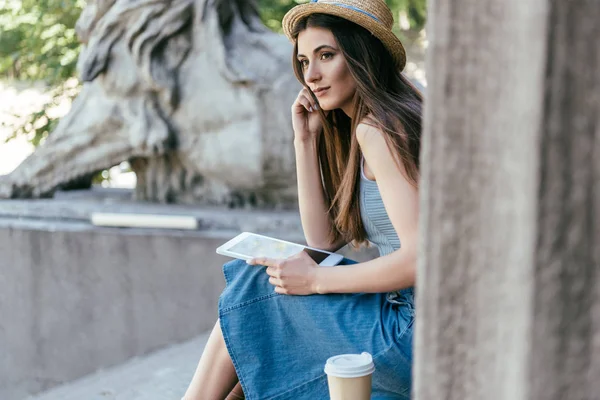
x: 311, y: 197
x: 398, y: 269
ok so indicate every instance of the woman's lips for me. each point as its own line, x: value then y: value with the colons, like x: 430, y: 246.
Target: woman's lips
x: 321, y: 91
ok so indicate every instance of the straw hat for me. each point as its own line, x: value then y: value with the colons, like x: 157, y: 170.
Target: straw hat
x: 373, y: 15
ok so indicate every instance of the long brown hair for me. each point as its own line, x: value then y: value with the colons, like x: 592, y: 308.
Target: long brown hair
x: 385, y: 99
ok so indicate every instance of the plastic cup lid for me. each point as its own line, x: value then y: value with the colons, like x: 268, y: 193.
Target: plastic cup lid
x: 350, y: 365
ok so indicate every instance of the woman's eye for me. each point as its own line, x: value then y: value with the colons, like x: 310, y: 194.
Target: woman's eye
x: 325, y: 56
x: 304, y: 63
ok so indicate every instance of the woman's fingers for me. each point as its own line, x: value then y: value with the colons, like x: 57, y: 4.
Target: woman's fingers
x: 307, y: 104
x: 310, y: 107
x: 274, y: 272
x: 275, y: 276
x: 275, y: 282
x: 307, y: 101
x: 311, y: 99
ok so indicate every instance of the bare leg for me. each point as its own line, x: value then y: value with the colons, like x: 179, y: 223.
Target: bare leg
x: 237, y: 393
x: 215, y: 376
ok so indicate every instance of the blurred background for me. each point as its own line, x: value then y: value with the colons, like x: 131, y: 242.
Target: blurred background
x: 510, y: 243
x: 38, y: 76
x: 135, y: 302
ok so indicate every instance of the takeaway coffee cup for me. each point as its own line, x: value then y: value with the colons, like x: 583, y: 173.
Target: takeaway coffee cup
x: 349, y: 376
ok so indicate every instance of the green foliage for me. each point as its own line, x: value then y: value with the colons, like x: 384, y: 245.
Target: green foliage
x: 272, y: 11
x: 415, y: 11
x: 37, y: 39
x: 38, y: 42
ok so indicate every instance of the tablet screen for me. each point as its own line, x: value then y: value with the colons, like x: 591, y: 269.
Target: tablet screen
x: 258, y: 246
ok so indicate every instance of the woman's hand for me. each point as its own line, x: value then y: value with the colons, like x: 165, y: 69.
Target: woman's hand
x: 296, y: 275
x: 306, y: 119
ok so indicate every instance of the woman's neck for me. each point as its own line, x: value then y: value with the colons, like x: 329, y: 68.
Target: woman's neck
x: 348, y: 110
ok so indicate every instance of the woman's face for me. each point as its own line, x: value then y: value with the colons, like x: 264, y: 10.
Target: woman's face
x: 325, y: 70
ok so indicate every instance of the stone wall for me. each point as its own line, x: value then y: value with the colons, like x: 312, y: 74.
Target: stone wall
x: 75, y: 298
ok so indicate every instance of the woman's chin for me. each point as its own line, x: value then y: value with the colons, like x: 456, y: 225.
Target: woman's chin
x: 326, y: 107
x: 330, y: 104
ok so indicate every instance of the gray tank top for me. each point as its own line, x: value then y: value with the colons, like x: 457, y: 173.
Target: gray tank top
x: 378, y: 225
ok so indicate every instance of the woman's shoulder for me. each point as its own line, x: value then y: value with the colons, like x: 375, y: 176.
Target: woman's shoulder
x: 367, y: 128
x: 370, y: 125
x: 369, y: 120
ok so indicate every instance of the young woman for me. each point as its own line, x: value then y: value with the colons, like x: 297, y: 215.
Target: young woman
x: 357, y: 126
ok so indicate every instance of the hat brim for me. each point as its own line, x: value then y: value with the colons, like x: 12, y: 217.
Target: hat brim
x: 387, y: 37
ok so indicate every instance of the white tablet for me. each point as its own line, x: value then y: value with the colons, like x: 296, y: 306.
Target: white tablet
x: 247, y: 246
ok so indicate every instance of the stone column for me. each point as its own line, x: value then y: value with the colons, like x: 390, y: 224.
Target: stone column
x: 508, y: 292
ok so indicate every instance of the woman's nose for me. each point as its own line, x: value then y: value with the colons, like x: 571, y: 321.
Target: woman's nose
x: 312, y: 74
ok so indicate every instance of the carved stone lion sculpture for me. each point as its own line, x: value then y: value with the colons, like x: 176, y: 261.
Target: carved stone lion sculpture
x: 195, y: 94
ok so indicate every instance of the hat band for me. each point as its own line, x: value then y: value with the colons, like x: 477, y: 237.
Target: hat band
x: 333, y: 3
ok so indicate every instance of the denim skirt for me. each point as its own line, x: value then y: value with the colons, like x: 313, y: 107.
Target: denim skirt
x: 279, y: 343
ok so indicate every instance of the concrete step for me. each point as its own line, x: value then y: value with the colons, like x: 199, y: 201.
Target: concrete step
x: 163, y: 375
